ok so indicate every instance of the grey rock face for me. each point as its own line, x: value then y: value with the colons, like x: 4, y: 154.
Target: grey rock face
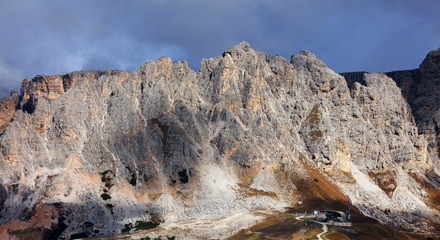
x: 390, y: 118
x: 8, y: 106
x: 167, y: 143
x: 420, y: 87
x: 425, y: 101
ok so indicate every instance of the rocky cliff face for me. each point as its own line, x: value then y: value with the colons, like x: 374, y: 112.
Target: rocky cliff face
x: 420, y: 88
x: 424, y: 98
x: 92, y: 152
x: 7, y: 109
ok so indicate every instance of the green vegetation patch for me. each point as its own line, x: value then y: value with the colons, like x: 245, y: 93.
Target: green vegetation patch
x: 127, y: 228
x: 79, y: 235
x: 159, y: 238
x: 141, y: 225
x: 104, y: 178
x: 105, y: 196
x: 251, y: 236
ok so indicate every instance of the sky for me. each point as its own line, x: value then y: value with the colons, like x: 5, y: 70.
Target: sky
x: 59, y: 36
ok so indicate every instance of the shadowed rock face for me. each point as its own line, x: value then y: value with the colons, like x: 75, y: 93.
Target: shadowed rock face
x: 425, y: 102
x: 3, y: 197
x: 420, y: 87
x: 8, y: 106
x: 104, y: 149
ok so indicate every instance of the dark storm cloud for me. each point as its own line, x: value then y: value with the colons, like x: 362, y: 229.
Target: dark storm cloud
x: 49, y: 37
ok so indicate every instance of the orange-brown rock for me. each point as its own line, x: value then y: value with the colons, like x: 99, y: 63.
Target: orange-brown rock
x: 165, y: 143
x: 8, y: 106
x: 50, y: 87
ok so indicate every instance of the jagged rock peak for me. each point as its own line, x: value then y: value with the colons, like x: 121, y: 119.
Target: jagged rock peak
x: 431, y: 63
x: 241, y: 47
x: 242, y: 52
x: 306, y: 59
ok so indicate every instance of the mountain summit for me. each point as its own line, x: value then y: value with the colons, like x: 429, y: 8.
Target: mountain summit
x: 97, y: 153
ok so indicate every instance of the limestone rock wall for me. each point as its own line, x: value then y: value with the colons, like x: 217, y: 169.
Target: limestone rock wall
x: 420, y: 88
x: 424, y: 100
x: 8, y: 106
x: 105, y: 149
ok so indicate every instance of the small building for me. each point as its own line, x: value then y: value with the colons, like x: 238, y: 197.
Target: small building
x: 329, y: 215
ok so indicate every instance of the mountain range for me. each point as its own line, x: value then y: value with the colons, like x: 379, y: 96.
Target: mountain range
x: 99, y: 153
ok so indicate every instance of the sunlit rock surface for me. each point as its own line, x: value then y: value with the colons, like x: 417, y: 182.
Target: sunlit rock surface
x: 91, y: 152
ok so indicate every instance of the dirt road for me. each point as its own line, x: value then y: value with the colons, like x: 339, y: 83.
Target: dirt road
x: 324, y: 227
